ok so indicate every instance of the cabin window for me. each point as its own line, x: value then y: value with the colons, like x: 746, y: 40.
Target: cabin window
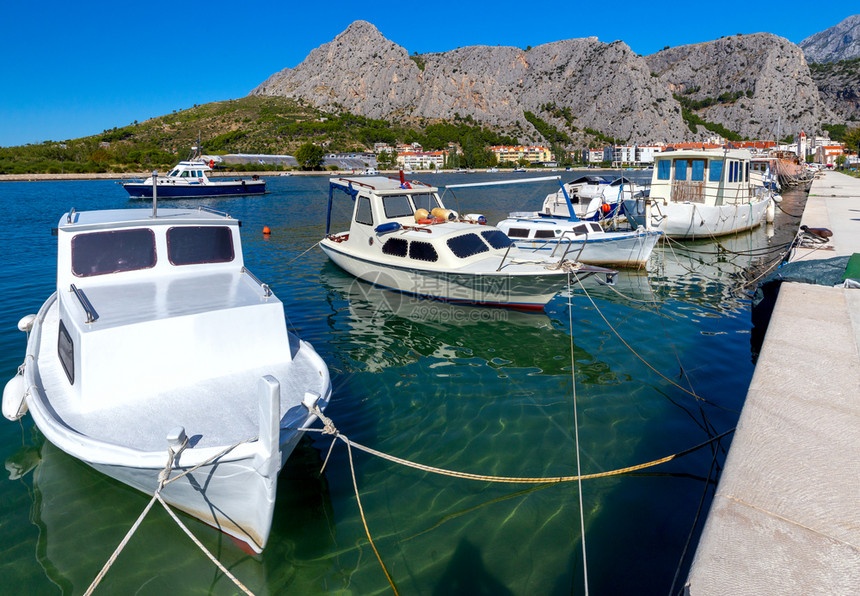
x: 715, y: 170
x: 395, y: 247
x: 496, y: 238
x: 422, y: 251
x: 66, y: 352
x: 698, y: 170
x: 467, y: 245
x: 184, y: 174
x: 425, y: 201
x: 518, y: 233
x: 544, y: 234
x: 199, y: 173
x: 747, y: 172
x: 98, y: 253
x: 396, y: 206
x: 193, y: 174
x: 363, y: 214
x: 680, y: 169
x: 595, y: 227
x: 192, y: 245
x: 734, y: 174
x: 580, y: 229
x: 664, y: 169
x: 173, y: 173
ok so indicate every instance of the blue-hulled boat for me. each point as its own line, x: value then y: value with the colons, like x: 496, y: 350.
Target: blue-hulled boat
x: 188, y: 180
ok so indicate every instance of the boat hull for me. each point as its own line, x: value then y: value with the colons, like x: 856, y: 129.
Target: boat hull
x: 235, y: 492
x: 694, y: 220
x: 527, y: 292
x: 621, y: 250
x: 142, y: 190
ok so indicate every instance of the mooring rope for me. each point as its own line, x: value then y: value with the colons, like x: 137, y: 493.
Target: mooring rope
x: 332, y: 430
x: 576, y: 434
x: 163, y: 480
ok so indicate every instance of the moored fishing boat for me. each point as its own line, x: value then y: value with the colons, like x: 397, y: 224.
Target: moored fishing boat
x: 188, y: 180
x: 158, y: 337
x: 592, y: 198
x: 402, y: 237
x: 701, y: 194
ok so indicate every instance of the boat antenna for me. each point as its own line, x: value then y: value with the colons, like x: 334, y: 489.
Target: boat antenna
x: 154, y: 194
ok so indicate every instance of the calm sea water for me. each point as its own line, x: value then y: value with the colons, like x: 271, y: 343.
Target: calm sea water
x: 469, y: 389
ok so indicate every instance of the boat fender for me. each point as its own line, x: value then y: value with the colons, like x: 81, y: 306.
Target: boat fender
x: 476, y: 218
x: 26, y: 323
x: 606, y: 207
x: 388, y: 227
x: 444, y: 214
x: 14, y: 404
x: 421, y: 214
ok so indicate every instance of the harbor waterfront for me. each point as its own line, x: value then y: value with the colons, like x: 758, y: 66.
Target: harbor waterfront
x: 477, y: 390
x: 785, y: 519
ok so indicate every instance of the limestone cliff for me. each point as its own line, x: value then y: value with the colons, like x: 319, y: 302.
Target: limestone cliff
x: 763, y: 79
x: 840, y: 42
x: 606, y: 86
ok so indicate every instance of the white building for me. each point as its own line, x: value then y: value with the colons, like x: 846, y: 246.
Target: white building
x: 421, y: 160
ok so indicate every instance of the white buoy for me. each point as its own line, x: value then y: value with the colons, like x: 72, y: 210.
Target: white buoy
x: 771, y: 210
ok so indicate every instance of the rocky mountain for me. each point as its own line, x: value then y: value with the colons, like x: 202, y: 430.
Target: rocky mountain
x: 745, y: 83
x: 840, y: 42
x: 606, y: 87
x: 839, y: 86
x: 750, y: 81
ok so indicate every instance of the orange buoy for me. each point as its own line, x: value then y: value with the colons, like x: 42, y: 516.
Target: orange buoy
x: 606, y: 207
x: 266, y: 231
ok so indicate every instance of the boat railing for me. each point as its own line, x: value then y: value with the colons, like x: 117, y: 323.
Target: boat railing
x: 91, y: 313
x: 267, y: 291
x: 505, y: 257
x: 206, y: 209
x: 564, y: 236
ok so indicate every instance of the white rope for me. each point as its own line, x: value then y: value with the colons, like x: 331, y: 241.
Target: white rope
x: 163, y: 480
x: 576, y: 432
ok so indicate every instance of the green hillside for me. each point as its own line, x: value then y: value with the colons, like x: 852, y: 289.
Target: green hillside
x: 253, y: 124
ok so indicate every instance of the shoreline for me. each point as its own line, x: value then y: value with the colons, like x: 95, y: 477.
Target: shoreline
x: 119, y: 176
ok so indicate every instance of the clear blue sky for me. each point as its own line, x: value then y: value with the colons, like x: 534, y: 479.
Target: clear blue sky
x: 72, y: 69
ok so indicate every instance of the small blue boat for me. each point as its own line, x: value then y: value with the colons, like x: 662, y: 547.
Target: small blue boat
x: 188, y: 180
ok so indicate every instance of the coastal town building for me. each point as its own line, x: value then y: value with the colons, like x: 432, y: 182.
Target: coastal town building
x: 827, y: 155
x: 422, y: 160
x: 532, y: 154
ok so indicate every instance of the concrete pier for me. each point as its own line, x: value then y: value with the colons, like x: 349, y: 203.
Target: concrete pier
x: 786, y: 515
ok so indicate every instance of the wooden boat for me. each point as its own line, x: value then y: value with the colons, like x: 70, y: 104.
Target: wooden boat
x: 158, y: 337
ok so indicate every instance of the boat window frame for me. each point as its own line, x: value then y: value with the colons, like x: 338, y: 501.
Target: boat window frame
x: 389, y: 247
x: 359, y: 211
x: 430, y: 256
x: 173, y: 245
x: 542, y: 234
x: 397, y: 213
x: 715, y: 174
x: 432, y: 196
x: 664, y: 173
x: 463, y: 247
x: 697, y: 174
x: 520, y: 233
x: 682, y: 170
x: 96, y: 255
x: 490, y: 237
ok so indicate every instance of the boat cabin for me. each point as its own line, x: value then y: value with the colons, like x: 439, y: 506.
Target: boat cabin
x: 385, y: 226
x: 548, y: 228
x: 138, y: 294
x: 710, y: 177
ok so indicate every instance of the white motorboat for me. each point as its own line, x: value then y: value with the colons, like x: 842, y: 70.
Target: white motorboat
x: 701, y: 194
x: 401, y: 237
x: 188, y: 180
x: 586, y: 241
x: 593, y: 198
x: 158, y: 337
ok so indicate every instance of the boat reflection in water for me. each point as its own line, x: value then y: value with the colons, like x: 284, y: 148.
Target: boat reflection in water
x: 83, y: 515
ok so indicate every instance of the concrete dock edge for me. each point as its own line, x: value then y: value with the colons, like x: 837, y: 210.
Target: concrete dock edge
x: 786, y: 514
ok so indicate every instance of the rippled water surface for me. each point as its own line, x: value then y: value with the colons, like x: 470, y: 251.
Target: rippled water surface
x: 476, y: 390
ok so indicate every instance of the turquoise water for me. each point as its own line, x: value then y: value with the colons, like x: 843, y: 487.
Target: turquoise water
x: 469, y: 389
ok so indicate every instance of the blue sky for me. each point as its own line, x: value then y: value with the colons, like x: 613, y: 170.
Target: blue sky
x: 74, y: 69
